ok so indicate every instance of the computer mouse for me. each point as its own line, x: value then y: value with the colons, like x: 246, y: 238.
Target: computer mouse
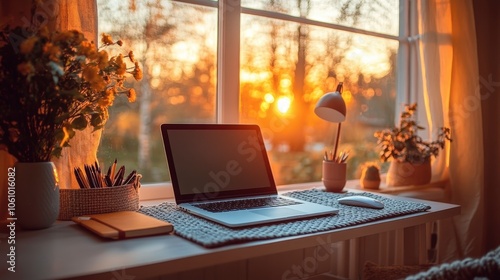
x: 361, y: 201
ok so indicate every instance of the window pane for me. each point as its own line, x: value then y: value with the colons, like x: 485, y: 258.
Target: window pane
x: 286, y: 67
x: 175, y: 44
x: 377, y: 15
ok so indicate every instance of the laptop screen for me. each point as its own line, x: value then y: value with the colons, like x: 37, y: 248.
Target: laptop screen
x: 215, y: 161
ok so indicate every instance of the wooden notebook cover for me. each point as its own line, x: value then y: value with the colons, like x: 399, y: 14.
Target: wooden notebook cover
x: 123, y: 224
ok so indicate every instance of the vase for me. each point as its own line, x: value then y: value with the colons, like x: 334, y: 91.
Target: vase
x: 408, y: 174
x: 334, y: 176
x: 37, y: 194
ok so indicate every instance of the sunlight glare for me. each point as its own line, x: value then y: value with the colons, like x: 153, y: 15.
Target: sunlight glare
x: 283, y: 104
x: 186, y: 52
x: 264, y: 106
x: 347, y: 96
x: 175, y: 100
x: 156, y: 71
x: 285, y: 83
x: 155, y: 82
x: 269, y: 98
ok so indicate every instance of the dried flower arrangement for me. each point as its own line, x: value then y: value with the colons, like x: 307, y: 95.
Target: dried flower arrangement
x: 54, y: 83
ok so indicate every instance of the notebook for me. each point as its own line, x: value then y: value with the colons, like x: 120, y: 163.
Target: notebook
x: 221, y: 172
x: 123, y: 224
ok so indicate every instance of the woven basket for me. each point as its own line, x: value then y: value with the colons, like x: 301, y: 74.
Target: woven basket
x: 78, y: 202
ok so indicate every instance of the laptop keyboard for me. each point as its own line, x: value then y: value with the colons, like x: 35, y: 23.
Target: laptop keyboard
x: 243, y: 204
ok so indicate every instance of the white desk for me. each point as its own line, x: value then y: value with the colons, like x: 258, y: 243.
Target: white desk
x: 68, y: 251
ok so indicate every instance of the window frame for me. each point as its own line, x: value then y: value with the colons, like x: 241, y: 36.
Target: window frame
x: 228, y: 62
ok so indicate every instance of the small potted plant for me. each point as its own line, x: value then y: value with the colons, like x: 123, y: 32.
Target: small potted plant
x: 370, y: 177
x: 409, y: 153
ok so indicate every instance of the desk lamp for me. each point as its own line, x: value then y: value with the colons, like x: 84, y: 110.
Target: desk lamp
x: 331, y: 107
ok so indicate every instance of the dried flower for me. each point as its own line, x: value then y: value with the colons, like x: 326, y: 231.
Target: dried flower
x: 131, y: 56
x: 25, y: 68
x: 132, y: 96
x: 54, y: 83
x: 106, y: 39
x: 103, y: 60
x: 27, y: 45
x: 137, y: 72
x: 121, y: 67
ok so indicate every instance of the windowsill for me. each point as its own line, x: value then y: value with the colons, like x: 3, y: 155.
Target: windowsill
x: 435, y: 191
x: 157, y: 191
x: 164, y: 191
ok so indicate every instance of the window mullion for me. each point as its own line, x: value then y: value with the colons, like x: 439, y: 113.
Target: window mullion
x: 405, y: 61
x: 228, y: 61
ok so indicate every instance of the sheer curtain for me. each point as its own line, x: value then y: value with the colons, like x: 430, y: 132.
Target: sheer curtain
x: 57, y: 15
x: 80, y: 15
x: 448, y: 95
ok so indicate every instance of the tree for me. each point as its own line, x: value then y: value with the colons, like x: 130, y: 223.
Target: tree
x: 179, y: 70
x: 146, y: 26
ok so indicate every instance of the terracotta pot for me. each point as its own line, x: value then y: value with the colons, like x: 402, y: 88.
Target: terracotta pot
x: 370, y: 184
x: 407, y: 174
x: 334, y: 176
x: 370, y: 178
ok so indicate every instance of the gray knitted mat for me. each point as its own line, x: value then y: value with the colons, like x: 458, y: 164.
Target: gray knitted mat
x: 210, y: 234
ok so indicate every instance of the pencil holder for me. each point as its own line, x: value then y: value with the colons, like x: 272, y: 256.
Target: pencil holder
x: 78, y: 202
x: 334, y: 176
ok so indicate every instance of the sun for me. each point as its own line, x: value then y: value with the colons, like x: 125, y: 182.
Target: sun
x: 283, y: 104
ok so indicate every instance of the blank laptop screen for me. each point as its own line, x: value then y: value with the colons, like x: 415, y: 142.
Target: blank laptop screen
x: 217, y: 160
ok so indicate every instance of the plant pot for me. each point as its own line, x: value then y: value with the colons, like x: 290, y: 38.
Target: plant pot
x: 370, y: 184
x: 334, y: 176
x: 370, y: 178
x: 37, y: 194
x: 407, y: 174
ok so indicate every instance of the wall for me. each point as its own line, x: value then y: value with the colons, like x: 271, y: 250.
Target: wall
x: 488, y: 41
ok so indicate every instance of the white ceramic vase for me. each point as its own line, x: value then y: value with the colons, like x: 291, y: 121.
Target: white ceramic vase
x: 37, y: 194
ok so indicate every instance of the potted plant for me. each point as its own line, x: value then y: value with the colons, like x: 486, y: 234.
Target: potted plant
x: 409, y: 153
x: 53, y: 84
x: 370, y: 177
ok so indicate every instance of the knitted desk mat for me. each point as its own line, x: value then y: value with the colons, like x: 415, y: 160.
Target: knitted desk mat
x: 210, y: 234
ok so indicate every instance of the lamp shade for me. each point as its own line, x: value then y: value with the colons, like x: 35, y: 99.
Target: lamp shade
x: 331, y: 107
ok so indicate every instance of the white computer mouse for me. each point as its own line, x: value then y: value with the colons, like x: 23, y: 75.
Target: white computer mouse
x: 361, y: 201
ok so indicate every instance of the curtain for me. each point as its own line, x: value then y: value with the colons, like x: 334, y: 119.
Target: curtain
x: 448, y: 95
x: 57, y: 15
x: 82, y: 16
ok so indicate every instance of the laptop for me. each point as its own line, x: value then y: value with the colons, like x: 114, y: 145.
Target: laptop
x: 221, y: 172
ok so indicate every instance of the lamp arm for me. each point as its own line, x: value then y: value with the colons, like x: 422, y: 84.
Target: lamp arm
x: 339, y: 88
x: 336, y: 143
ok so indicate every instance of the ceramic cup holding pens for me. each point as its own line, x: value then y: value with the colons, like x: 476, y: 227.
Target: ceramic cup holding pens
x: 335, y: 171
x: 334, y: 175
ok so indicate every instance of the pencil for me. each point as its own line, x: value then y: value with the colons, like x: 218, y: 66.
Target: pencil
x: 113, y: 169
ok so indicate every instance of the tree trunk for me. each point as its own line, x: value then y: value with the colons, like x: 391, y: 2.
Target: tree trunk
x: 297, y: 139
x: 144, y: 152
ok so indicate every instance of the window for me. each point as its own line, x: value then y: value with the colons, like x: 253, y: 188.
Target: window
x: 290, y: 53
